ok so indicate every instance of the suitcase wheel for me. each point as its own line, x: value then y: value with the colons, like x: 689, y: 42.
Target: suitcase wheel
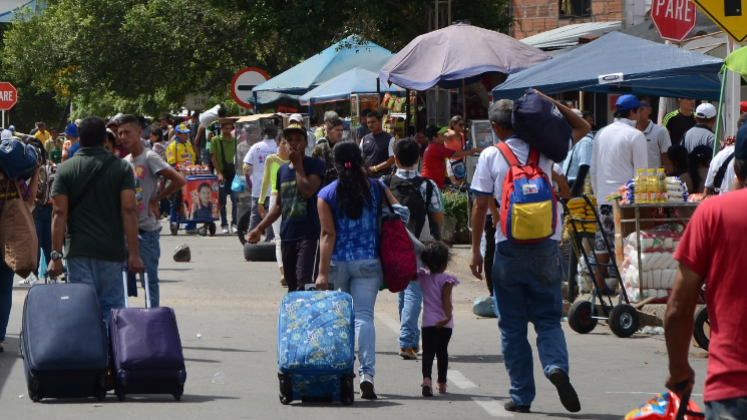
x: 178, y: 394
x: 347, y: 389
x: 101, y: 389
x: 35, y: 390
x: 286, y: 389
x: 120, y: 397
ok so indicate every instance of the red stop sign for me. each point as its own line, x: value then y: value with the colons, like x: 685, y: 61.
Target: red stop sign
x: 673, y: 18
x: 8, y: 96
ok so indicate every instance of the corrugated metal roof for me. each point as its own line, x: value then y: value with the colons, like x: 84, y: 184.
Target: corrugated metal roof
x: 567, y: 36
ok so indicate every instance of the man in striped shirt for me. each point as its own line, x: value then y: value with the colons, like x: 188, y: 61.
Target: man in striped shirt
x: 680, y: 120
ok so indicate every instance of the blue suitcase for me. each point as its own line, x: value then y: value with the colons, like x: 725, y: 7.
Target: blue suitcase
x: 316, y: 347
x: 63, y: 342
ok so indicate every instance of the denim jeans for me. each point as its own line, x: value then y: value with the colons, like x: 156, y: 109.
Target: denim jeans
x: 43, y: 222
x: 104, y: 276
x: 150, y: 251
x: 223, y: 193
x: 731, y: 409
x: 205, y: 157
x: 409, y: 303
x: 527, y: 283
x: 256, y: 218
x: 361, y: 279
x: 6, y: 297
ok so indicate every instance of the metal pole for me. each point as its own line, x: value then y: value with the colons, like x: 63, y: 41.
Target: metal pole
x: 407, y: 113
x: 720, y: 112
x: 464, y: 100
x: 436, y: 20
x: 256, y: 103
x: 663, y: 100
x: 449, y: 12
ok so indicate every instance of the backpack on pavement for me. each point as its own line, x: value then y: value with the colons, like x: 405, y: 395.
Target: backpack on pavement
x: 407, y: 192
x: 528, y: 202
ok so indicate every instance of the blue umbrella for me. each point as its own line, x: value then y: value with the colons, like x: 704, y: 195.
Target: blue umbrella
x: 332, y: 62
x: 357, y: 80
x: 457, y: 53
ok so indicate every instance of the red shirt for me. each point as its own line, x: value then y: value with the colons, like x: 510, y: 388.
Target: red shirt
x: 710, y: 247
x: 434, y: 165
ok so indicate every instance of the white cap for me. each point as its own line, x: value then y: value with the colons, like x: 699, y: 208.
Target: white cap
x: 296, y: 118
x: 6, y: 134
x: 705, y: 111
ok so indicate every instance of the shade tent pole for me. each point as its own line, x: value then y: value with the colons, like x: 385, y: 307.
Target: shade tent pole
x: 464, y: 102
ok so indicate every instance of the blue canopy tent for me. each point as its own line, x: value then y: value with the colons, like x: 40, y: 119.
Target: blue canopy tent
x: 332, y: 62
x: 619, y: 63
x: 357, y: 80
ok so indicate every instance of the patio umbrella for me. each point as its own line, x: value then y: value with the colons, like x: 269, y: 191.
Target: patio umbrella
x: 357, y: 80
x: 457, y: 53
x: 335, y: 60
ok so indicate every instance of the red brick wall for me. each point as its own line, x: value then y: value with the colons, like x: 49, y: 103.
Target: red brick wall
x: 535, y: 16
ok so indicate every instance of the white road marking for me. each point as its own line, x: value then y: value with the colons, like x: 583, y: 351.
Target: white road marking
x: 388, y: 321
x: 493, y: 407
x: 646, y: 393
x: 456, y: 377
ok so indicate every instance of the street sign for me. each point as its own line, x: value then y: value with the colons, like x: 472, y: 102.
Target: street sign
x: 8, y: 96
x: 243, y: 83
x: 196, y: 101
x: 728, y: 14
x: 674, y: 19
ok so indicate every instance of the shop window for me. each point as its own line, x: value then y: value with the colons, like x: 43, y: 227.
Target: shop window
x: 571, y: 8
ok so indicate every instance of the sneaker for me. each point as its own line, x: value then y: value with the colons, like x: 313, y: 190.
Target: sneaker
x: 367, y: 387
x: 408, y: 354
x: 427, y: 391
x: 416, y: 349
x: 516, y: 408
x: 282, y: 282
x: 234, y: 229
x: 30, y: 280
x: 441, y: 387
x: 567, y: 394
x: 225, y: 229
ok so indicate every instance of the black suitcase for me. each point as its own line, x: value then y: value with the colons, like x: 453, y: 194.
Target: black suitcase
x: 63, y: 342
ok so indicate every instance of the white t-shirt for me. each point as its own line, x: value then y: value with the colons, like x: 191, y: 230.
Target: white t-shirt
x: 716, y: 163
x: 256, y: 157
x: 619, y: 149
x: 658, y: 141
x: 491, y: 170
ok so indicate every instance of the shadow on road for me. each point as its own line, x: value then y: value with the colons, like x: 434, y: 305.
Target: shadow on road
x: 476, y: 358
x: 201, y: 360
x: 223, y: 350
x: 140, y: 399
x: 581, y: 416
x: 9, y: 358
x: 357, y: 404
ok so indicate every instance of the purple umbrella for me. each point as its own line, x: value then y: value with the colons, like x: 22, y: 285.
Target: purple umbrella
x: 457, y: 53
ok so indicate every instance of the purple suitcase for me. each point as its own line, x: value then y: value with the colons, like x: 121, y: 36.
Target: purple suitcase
x: 146, y: 350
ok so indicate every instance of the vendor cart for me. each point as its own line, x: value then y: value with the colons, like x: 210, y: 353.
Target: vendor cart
x: 198, y: 204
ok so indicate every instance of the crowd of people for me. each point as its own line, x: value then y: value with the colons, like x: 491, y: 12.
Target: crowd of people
x: 318, y: 195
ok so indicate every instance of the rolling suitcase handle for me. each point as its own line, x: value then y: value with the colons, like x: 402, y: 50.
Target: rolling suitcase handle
x: 682, y: 411
x: 125, y: 278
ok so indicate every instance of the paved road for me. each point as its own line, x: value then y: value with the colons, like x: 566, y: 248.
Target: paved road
x: 233, y: 305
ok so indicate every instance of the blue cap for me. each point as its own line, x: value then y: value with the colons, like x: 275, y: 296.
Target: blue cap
x: 740, y: 147
x: 12, y: 128
x: 627, y: 102
x: 71, y: 130
x: 182, y: 128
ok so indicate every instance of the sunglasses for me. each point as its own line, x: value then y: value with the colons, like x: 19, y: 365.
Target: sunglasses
x: 460, y: 125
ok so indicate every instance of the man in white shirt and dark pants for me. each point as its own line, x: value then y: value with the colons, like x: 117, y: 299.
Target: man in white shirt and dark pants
x: 657, y: 137
x: 527, y: 278
x: 254, y: 163
x: 619, y: 150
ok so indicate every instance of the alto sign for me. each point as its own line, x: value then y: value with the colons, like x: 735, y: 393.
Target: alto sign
x: 674, y: 19
x: 8, y: 96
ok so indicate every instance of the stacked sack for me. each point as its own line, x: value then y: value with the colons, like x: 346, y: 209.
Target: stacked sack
x: 581, y: 211
x: 657, y: 270
x: 676, y: 190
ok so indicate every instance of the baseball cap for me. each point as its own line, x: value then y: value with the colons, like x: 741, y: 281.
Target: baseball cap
x: 182, y: 128
x: 627, y: 102
x: 743, y: 107
x: 295, y: 128
x: 705, y: 111
x: 112, y: 123
x: 740, y: 147
x: 296, y: 117
x: 71, y: 130
x: 434, y: 130
x: 12, y: 128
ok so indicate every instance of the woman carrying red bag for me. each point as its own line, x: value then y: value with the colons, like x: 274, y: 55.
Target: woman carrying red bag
x: 349, y: 248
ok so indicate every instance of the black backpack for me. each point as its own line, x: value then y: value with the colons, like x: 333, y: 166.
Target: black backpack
x: 407, y: 192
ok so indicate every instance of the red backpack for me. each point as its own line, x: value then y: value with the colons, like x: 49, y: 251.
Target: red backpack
x: 528, y: 204
x: 398, y: 259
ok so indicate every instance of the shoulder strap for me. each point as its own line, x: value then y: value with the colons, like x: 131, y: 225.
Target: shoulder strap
x: 507, y: 154
x: 387, y: 180
x: 719, y: 178
x: 92, y: 182
x: 534, y: 157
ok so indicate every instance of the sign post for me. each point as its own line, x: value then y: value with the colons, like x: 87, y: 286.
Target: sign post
x: 674, y: 19
x: 244, y: 82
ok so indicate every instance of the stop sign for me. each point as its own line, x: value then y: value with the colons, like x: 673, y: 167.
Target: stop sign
x: 8, y: 96
x: 673, y: 18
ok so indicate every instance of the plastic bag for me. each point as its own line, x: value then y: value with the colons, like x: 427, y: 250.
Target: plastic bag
x: 239, y: 184
x: 664, y: 407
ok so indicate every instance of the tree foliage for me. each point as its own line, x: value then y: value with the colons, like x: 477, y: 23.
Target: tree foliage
x: 145, y: 56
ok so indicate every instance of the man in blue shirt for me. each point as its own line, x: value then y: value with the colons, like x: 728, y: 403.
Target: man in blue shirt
x: 576, y: 165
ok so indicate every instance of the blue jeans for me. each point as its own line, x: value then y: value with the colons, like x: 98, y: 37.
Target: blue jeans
x: 43, y: 222
x: 361, y: 279
x: 410, y: 303
x: 104, y: 276
x: 527, y: 285
x: 6, y: 297
x: 734, y: 408
x: 150, y: 252
x: 223, y: 193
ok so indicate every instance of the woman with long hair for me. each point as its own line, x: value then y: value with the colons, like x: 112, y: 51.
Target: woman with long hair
x: 157, y: 142
x: 456, y: 140
x: 349, y: 248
